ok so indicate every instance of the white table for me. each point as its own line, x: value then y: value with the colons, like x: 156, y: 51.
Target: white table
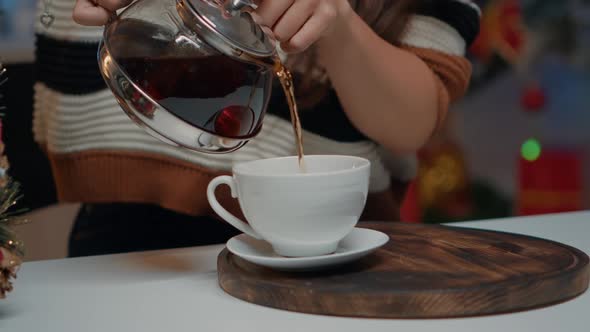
x: 176, y: 290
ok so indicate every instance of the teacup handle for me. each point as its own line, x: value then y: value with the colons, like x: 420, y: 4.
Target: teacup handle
x: 221, y: 211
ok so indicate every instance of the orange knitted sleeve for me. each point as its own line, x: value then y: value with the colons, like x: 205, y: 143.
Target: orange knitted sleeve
x: 452, y: 74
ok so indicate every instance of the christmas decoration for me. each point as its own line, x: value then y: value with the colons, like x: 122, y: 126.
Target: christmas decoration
x: 485, y: 202
x: 550, y: 183
x: 445, y: 192
x: 515, y: 34
x: 532, y: 57
x: 534, y: 98
x: 502, y: 32
x: 410, y: 211
x: 501, y: 42
x: 531, y: 149
x: 11, y: 250
x: 442, y: 179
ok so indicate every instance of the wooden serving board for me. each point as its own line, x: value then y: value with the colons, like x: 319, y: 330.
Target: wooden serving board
x: 425, y: 271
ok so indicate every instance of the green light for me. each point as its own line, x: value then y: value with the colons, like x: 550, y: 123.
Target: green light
x: 531, y: 149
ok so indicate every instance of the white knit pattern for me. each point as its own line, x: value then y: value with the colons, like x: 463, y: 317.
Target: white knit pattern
x: 64, y: 27
x: 431, y: 33
x: 72, y: 123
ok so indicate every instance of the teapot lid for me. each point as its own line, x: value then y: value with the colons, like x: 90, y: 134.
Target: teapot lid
x: 238, y: 31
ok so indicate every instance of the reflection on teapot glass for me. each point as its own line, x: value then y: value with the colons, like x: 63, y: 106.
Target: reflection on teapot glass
x: 215, y: 93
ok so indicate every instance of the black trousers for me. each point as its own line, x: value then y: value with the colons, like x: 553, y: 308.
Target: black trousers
x: 101, y: 229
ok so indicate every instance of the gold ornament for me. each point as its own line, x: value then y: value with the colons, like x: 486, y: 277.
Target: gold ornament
x: 442, y: 175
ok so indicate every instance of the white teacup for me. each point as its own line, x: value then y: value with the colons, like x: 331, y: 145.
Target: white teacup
x: 299, y: 214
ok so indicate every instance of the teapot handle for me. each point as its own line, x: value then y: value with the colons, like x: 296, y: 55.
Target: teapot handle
x: 235, y: 7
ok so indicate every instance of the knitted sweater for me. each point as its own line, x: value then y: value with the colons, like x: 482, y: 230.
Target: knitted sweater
x: 99, y: 155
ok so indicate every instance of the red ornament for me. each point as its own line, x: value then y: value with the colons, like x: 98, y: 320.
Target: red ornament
x: 410, y: 210
x: 1, y: 257
x: 534, y: 98
x: 512, y: 25
x: 234, y: 121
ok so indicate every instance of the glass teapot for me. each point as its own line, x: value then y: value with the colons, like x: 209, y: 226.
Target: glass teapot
x: 193, y: 73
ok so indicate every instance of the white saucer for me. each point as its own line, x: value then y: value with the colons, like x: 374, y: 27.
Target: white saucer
x: 358, y: 243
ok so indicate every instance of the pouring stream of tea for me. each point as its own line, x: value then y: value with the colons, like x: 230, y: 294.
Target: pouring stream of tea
x: 286, y: 79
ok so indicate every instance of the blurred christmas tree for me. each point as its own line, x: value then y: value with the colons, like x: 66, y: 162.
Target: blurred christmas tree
x: 11, y: 250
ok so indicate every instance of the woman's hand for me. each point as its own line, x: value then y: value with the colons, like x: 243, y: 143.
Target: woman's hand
x: 97, y: 12
x: 298, y: 24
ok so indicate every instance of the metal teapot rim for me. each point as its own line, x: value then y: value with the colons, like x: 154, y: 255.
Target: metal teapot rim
x: 214, y: 37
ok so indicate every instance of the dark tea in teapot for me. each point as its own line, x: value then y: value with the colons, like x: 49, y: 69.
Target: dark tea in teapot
x: 216, y: 93
x: 213, y: 92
